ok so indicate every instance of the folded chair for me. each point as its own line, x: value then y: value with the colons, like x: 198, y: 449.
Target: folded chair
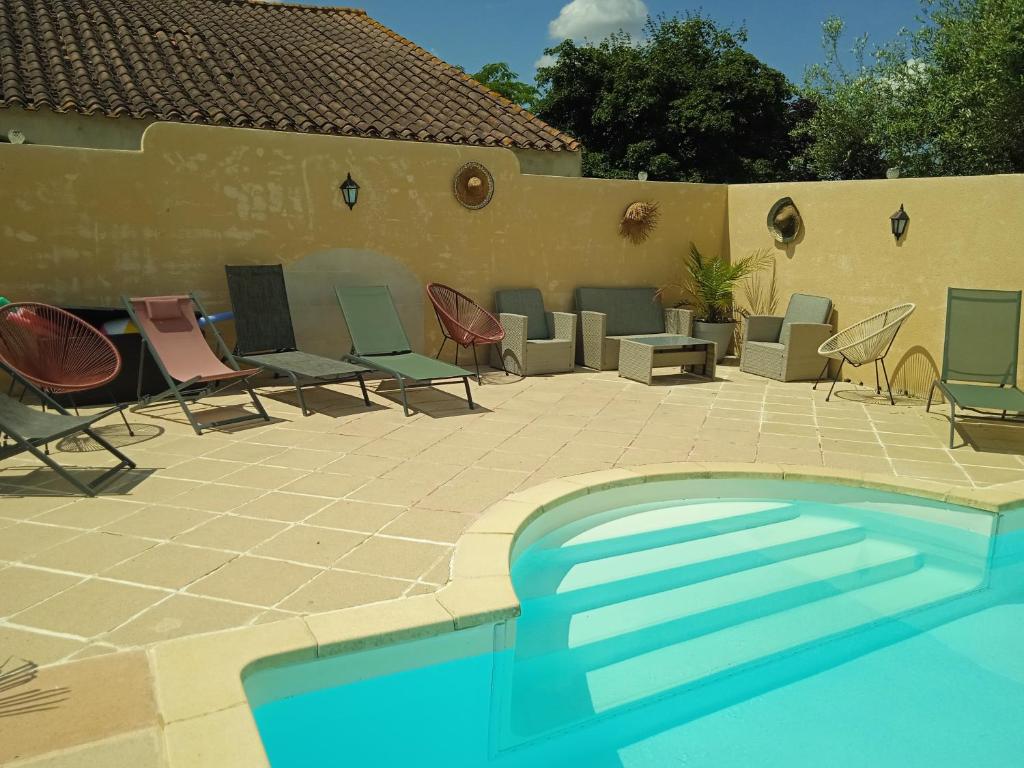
x: 979, y: 357
x: 265, y: 336
x: 170, y: 331
x: 379, y: 342
x: 30, y: 430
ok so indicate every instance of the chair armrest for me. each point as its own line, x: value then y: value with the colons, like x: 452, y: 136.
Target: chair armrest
x: 592, y: 330
x: 762, y: 328
x: 679, y: 321
x: 804, y: 338
x: 515, y: 333
x: 563, y: 325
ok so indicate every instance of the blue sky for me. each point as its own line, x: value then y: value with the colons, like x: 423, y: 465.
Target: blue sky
x: 786, y: 35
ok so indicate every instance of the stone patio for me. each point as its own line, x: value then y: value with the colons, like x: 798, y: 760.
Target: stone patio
x: 356, y: 505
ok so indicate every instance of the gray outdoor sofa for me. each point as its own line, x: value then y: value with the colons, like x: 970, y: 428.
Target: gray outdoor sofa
x: 786, y: 348
x: 607, y: 315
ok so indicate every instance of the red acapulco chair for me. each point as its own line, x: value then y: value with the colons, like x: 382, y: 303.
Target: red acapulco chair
x: 56, y: 351
x: 463, y: 321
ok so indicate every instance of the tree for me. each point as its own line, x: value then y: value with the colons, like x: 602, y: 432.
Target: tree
x: 500, y: 78
x: 684, y: 103
x: 945, y: 100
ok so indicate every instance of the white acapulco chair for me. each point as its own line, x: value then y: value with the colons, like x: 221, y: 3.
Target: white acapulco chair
x: 865, y: 342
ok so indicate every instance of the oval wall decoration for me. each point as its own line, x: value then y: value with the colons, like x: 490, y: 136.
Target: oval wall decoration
x: 784, y: 220
x: 473, y: 186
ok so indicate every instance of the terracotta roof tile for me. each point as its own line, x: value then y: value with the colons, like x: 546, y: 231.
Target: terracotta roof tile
x: 251, y: 65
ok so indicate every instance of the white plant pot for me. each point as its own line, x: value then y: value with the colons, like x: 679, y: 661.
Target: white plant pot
x: 720, y: 333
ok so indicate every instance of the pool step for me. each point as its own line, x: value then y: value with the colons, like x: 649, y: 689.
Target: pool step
x: 593, y: 582
x: 668, y: 525
x: 686, y: 611
x: 561, y: 689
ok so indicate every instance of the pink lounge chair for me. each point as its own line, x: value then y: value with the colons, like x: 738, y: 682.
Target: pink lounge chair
x: 170, y: 331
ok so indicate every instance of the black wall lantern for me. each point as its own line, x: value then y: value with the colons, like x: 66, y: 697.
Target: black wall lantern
x: 899, y: 222
x: 350, y: 191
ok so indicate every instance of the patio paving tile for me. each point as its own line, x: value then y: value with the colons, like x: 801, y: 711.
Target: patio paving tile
x: 254, y: 580
x: 158, y: 522
x: 171, y: 566
x: 181, y: 615
x: 325, y: 484
x: 310, y: 545
x: 353, y: 515
x: 90, y: 553
x: 284, y: 507
x: 333, y: 590
x: 88, y: 514
x: 89, y: 608
x: 237, y: 534
x: 399, y: 558
x: 24, y: 587
x: 23, y: 540
x: 430, y: 525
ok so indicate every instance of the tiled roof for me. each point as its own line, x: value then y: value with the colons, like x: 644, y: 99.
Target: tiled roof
x: 252, y: 65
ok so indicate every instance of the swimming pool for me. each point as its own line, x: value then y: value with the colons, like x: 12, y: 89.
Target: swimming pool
x: 710, y: 622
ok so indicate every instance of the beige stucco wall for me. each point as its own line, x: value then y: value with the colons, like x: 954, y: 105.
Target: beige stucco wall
x: 69, y: 129
x: 963, y: 232
x: 84, y: 226
x: 542, y: 163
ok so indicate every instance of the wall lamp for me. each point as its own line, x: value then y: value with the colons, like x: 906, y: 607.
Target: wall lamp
x: 899, y: 221
x: 350, y: 191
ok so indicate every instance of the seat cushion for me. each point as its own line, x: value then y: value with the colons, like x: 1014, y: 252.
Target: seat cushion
x: 630, y: 311
x: 528, y: 302
x: 804, y: 308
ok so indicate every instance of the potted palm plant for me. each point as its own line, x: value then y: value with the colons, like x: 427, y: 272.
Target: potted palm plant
x: 710, y: 284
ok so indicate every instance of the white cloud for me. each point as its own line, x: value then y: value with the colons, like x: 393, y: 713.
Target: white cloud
x: 545, y: 61
x: 596, y: 19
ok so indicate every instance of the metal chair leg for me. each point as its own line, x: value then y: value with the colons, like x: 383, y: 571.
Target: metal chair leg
x: 835, y: 379
x: 469, y: 394
x: 878, y: 384
x: 444, y: 340
x: 362, y: 386
x: 824, y: 370
x: 479, y: 379
x: 888, y: 384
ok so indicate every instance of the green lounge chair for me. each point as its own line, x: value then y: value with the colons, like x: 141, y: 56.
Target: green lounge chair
x: 30, y: 430
x: 379, y: 342
x: 979, y: 357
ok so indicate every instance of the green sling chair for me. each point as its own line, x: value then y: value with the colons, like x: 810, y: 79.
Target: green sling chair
x: 979, y: 358
x: 379, y: 342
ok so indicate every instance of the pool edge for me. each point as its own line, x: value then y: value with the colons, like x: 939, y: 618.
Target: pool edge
x: 207, y: 721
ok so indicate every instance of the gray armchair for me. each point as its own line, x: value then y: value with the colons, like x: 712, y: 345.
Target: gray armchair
x: 786, y: 348
x: 608, y: 315
x: 536, y: 341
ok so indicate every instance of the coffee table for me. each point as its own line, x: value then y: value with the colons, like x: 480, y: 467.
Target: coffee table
x: 639, y: 355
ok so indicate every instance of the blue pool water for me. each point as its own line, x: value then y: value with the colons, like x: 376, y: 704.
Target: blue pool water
x: 700, y: 623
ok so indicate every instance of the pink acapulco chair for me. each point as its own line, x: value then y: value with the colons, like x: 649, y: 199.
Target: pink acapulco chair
x: 463, y: 321
x: 56, y: 351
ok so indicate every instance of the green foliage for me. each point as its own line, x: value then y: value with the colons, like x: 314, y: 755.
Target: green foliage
x: 710, y: 282
x: 684, y: 103
x: 500, y: 78
x: 947, y: 99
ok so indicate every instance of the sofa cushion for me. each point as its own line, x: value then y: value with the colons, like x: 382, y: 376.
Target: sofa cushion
x: 630, y: 311
x: 525, y: 301
x: 804, y: 308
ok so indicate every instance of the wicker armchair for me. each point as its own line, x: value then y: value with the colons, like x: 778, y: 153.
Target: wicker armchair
x: 786, y: 348
x: 536, y: 342
x: 610, y: 314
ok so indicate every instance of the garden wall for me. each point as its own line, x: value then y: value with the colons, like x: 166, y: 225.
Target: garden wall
x: 84, y: 226
x: 963, y: 232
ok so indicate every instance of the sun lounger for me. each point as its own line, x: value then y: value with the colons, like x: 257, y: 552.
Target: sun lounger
x: 172, y: 335
x: 379, y: 342
x: 265, y: 337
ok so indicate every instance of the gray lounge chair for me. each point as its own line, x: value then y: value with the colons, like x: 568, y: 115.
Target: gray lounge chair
x: 610, y: 314
x: 536, y: 341
x: 786, y: 348
x: 265, y: 337
x: 979, y: 357
x: 30, y: 430
x: 379, y: 342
